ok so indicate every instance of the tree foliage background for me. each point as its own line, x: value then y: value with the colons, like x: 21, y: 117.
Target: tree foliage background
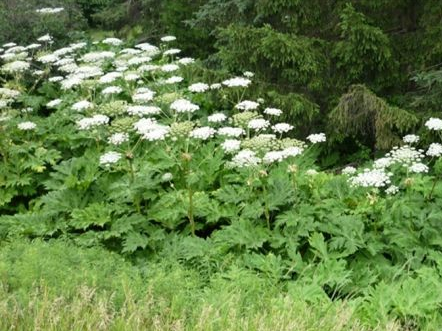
x: 311, y: 55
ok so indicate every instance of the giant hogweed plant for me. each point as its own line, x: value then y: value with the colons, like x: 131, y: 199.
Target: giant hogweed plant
x: 125, y: 147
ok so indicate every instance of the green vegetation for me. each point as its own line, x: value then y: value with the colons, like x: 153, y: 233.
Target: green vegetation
x: 287, y: 178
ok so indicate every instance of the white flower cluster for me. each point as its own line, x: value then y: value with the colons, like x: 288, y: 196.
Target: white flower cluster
x: 168, y: 39
x: 90, y: 122
x: 184, y: 106
x: 81, y: 105
x: 49, y: 10
x: 230, y: 132
x: 143, y: 94
x: 112, y: 41
x: 411, y: 139
x: 371, y: 178
x: 405, y: 155
x: 112, y: 90
x: 317, y: 138
x: 16, y: 66
x: 247, y: 105
x: 110, y: 158
x: 26, y: 126
x: 278, y: 156
x: 282, y: 127
x: 143, y: 110
x: 198, y: 87
x: 217, y: 118
x: 434, y: 150
x: 418, y: 168
x: 151, y: 130
x: 237, y: 82
x: 349, y: 170
x: 118, y: 138
x: 273, y: 111
x: 434, y: 124
x: 231, y: 145
x: 203, y: 133
x: 258, y: 124
x: 245, y: 158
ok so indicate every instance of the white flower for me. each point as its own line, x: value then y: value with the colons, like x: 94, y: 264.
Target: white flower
x: 311, y: 172
x: 98, y: 56
x: 203, y: 133
x: 184, y: 106
x: 198, y: 87
x: 273, y: 156
x: 383, y: 162
x: 231, y: 145
x: 71, y: 82
x: 282, y: 127
x: 49, y: 58
x: 435, y: 149
x: 167, y: 39
x: 410, y: 139
x: 110, y: 77
x: 248, y: 74
x: 112, y: 90
x: 33, y: 46
x: 245, y: 158
x: 317, y: 138
x: 186, y: 60
x: 54, y: 103
x: 247, y: 105
x: 143, y: 110
x: 139, y: 60
x: 151, y: 130
x: 16, y: 66
x: 145, y: 125
x: 90, y: 122
x: 131, y: 76
x: 144, y: 95
x: 237, y: 82
x: 230, y: 131
x: 169, y: 67
x: 167, y: 177
x: 112, y: 41
x: 55, y: 79
x: 392, y: 189
x: 118, y: 138
x: 418, y: 168
x: 8, y: 45
x: 174, y: 80
x: 215, y: 86
x: 49, y: 10
x: 273, y: 111
x: 292, y: 151
x: 217, y: 118
x: 148, y: 67
x: 258, y: 124
x: 172, y: 51
x: 434, y: 124
x: 82, y: 105
x: 45, y: 38
x: 158, y: 132
x: 110, y: 158
x: 371, y: 178
x: 348, y: 170
x: 26, y: 126
x: 405, y: 155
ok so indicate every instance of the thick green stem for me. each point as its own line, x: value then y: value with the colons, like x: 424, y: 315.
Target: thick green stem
x: 132, y: 180
x: 190, y: 211
x: 266, y: 206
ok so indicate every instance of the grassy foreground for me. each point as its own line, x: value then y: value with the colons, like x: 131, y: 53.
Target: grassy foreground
x: 57, y: 286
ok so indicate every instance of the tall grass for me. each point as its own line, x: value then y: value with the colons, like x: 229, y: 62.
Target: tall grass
x: 57, y: 286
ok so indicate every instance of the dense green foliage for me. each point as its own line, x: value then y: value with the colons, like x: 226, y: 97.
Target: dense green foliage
x: 115, y: 150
